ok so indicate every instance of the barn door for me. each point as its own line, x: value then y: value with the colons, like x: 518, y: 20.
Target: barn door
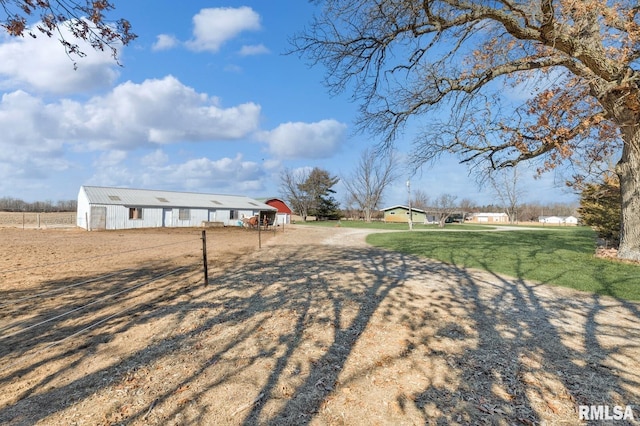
x: 98, y: 218
x: 167, y: 217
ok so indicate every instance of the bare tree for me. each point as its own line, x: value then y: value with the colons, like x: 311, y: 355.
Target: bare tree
x: 576, y: 62
x: 445, y: 206
x: 420, y: 199
x: 372, y: 175
x: 466, y: 206
x: 291, y: 183
x: 505, y: 185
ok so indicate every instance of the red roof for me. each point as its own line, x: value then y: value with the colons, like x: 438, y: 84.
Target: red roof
x: 279, y: 204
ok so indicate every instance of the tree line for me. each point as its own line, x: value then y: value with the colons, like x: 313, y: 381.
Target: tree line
x: 10, y: 204
x: 310, y: 193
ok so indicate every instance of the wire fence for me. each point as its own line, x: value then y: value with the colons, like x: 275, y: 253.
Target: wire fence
x: 32, y: 322
x: 50, y: 220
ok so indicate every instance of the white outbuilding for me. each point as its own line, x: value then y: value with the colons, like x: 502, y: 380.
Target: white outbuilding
x: 124, y: 208
x: 558, y: 220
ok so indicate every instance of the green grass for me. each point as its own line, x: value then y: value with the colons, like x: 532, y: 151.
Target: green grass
x: 393, y: 226
x: 561, y: 257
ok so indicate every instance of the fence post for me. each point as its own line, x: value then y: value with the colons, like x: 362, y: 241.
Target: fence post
x: 204, y: 257
x: 259, y: 226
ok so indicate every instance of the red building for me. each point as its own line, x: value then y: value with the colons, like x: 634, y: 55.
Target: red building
x: 283, y: 216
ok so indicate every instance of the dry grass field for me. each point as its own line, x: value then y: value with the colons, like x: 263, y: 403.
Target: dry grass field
x: 315, y: 327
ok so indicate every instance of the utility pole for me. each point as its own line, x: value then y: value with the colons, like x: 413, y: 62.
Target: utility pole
x: 410, y: 212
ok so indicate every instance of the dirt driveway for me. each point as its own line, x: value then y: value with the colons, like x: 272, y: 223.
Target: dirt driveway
x: 314, y: 328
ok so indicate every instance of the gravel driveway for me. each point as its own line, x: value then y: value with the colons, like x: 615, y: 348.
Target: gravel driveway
x: 319, y: 328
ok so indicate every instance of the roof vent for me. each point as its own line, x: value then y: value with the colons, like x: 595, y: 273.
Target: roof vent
x: 114, y: 198
x: 162, y: 199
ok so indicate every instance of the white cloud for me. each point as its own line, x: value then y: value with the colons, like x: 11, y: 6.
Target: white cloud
x: 305, y: 140
x: 111, y: 158
x: 42, y: 65
x: 37, y: 136
x: 30, y: 151
x: 224, y: 175
x: 215, y: 26
x: 165, y: 42
x: 157, y: 158
x: 258, y: 49
x: 272, y: 165
x: 30, y: 128
x: 160, y: 112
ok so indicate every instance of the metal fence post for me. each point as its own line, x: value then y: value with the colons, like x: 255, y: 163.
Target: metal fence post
x: 204, y: 257
x: 259, y: 226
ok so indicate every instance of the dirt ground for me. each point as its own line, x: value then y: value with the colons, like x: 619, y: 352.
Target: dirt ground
x: 316, y: 327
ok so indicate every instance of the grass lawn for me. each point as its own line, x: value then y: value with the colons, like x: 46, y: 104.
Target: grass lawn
x: 562, y: 257
x: 393, y: 226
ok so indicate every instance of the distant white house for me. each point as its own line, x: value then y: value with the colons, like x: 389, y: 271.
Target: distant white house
x: 488, y: 218
x: 124, y: 208
x: 558, y: 220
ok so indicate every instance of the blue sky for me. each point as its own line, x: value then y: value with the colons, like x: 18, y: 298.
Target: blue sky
x: 205, y: 101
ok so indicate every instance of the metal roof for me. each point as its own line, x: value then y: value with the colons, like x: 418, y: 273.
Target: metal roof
x: 398, y: 206
x: 154, y: 198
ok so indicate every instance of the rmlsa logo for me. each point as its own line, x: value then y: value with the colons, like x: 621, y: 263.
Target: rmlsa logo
x: 605, y: 412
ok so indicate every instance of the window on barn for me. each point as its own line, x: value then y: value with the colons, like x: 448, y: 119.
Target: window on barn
x: 233, y: 214
x: 184, y: 214
x: 135, y: 213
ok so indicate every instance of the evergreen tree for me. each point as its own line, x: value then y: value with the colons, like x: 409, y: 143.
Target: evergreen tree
x: 318, y: 187
x: 600, y: 208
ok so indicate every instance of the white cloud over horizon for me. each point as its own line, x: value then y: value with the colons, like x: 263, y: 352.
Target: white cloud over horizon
x: 162, y: 111
x: 198, y: 174
x: 157, y: 111
x: 297, y: 140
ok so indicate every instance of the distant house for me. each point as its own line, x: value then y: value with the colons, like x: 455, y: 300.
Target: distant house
x: 124, y: 208
x: 488, y: 218
x: 283, y: 215
x: 401, y: 214
x: 558, y: 220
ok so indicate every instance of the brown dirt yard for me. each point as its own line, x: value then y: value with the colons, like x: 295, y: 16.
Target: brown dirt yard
x: 316, y: 327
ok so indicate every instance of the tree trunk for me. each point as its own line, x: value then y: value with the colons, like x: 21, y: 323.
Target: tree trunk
x: 628, y: 170
x: 367, y: 215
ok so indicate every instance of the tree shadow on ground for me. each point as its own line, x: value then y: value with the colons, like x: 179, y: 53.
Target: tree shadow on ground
x: 334, y: 334
x: 540, y: 352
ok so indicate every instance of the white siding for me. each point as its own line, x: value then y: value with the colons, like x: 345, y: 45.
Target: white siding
x: 111, y: 208
x: 83, y: 209
x: 283, y: 218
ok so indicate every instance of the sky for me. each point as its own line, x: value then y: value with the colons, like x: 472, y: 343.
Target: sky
x: 204, y: 100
